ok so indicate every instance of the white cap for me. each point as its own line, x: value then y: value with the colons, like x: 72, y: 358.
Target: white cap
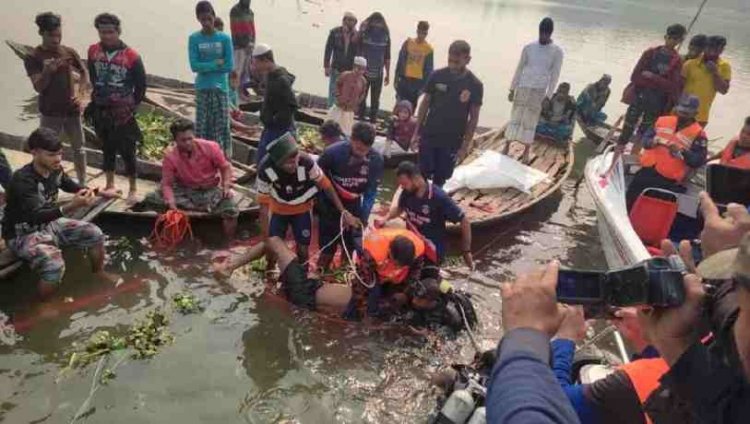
x: 261, y: 49
x: 360, y: 61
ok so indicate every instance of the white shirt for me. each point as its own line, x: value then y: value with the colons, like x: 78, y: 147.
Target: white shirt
x: 539, y: 67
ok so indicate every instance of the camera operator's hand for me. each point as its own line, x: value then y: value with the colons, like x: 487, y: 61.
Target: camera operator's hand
x: 721, y: 233
x: 627, y: 323
x: 673, y: 330
x: 684, y: 251
x: 573, y: 326
x: 531, y: 302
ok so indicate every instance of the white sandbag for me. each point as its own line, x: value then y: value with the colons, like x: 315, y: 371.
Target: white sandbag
x: 494, y: 170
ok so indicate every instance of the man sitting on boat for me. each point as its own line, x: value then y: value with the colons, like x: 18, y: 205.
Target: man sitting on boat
x: 35, y: 227
x: 288, y: 181
x: 428, y: 208
x: 558, y: 114
x: 673, y: 147
x: 737, y: 152
x: 591, y: 101
x: 196, y: 176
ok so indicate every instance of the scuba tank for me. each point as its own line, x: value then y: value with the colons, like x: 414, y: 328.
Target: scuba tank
x: 479, y: 416
x: 457, y: 408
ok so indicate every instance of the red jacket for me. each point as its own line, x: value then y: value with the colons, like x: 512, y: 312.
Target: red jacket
x: 670, y: 82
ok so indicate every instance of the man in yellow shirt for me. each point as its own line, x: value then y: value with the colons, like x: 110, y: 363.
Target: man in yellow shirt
x: 415, y: 64
x: 706, y: 75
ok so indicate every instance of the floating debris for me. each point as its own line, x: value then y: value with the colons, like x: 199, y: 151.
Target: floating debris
x: 149, y: 334
x: 259, y: 265
x: 156, y: 135
x: 186, y: 303
x: 309, y: 138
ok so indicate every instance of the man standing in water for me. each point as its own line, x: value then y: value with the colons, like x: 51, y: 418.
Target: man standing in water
x: 211, y: 58
x: 428, y: 208
x: 242, y: 26
x: 50, y: 66
x: 119, y: 81
x: 654, y: 86
x: 341, y: 47
x: 707, y: 75
x: 35, y: 227
x: 448, y: 115
x: 535, y: 79
x: 414, y: 66
x: 279, y: 101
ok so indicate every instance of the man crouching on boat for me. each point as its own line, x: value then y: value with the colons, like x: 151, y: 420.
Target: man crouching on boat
x: 196, y: 176
x: 675, y: 146
x: 35, y: 227
x: 391, y: 283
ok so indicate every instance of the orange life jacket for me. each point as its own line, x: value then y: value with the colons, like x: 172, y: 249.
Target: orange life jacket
x: 644, y: 374
x: 378, y: 244
x: 742, y: 161
x: 660, y: 157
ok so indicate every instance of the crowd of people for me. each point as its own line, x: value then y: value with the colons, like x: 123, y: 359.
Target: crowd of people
x: 680, y: 375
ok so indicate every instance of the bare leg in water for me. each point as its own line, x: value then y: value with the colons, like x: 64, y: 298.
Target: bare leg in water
x: 97, y: 255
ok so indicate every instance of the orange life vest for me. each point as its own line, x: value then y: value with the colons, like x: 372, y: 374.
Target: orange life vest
x: 742, y: 161
x: 660, y: 157
x: 378, y: 244
x: 644, y: 374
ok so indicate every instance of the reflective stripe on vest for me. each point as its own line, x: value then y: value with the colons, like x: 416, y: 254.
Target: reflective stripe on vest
x: 660, y: 157
x: 742, y: 161
x: 644, y: 375
x: 378, y: 244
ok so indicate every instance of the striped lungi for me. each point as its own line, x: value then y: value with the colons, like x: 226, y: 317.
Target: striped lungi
x: 212, y: 118
x: 527, y: 107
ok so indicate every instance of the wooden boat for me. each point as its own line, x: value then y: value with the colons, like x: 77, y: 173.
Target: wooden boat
x: 595, y: 133
x: 9, y: 263
x: 620, y: 241
x: 484, y: 207
x: 149, y: 176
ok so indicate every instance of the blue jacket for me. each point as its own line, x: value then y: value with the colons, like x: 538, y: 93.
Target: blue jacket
x: 522, y: 387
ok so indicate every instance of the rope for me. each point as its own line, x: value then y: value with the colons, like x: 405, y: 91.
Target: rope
x: 477, y: 348
x: 170, y: 229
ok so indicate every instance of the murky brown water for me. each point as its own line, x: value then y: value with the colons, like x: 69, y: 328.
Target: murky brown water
x: 251, y: 358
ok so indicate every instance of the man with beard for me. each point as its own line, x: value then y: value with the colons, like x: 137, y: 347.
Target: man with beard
x: 428, y: 208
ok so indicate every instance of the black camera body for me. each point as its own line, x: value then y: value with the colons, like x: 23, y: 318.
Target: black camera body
x: 655, y: 282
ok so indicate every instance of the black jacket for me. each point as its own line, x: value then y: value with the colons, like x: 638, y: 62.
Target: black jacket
x: 336, y: 55
x: 31, y: 200
x: 706, y: 384
x: 279, y: 102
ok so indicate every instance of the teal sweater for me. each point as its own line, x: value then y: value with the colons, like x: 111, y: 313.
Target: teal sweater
x: 204, y: 51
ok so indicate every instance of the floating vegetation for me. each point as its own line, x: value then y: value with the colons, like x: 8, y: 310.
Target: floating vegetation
x: 259, y: 265
x: 156, y: 135
x: 186, y: 303
x: 149, y: 334
x: 309, y: 138
x: 122, y: 252
x: 145, y: 337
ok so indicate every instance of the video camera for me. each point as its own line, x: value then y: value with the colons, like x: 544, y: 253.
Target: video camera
x: 654, y: 282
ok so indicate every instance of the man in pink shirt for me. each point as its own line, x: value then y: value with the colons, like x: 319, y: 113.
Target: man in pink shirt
x: 196, y: 177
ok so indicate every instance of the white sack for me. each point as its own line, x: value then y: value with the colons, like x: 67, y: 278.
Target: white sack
x: 494, y: 170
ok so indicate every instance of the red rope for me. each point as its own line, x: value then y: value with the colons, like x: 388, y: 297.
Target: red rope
x: 170, y: 229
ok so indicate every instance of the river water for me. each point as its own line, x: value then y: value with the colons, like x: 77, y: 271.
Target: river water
x: 250, y: 358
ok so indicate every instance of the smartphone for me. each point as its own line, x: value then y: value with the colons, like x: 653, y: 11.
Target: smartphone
x: 726, y: 184
x: 628, y: 287
x: 580, y: 287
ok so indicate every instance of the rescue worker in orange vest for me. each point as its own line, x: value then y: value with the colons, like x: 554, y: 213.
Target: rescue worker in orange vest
x: 737, y: 152
x: 393, y: 259
x: 619, y: 397
x: 673, y: 148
